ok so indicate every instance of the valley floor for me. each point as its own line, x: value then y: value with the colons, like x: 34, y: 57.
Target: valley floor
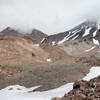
x: 49, y: 75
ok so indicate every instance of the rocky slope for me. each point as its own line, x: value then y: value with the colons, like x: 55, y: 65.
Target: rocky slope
x: 86, y: 31
x: 79, y: 42
x: 84, y: 90
x: 36, y: 35
x: 18, y: 49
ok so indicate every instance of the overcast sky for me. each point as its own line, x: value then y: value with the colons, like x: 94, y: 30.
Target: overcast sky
x: 49, y: 16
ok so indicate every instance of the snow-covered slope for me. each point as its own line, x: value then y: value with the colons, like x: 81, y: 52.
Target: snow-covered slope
x: 86, y: 31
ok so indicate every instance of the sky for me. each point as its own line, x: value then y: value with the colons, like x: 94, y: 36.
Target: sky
x: 48, y: 16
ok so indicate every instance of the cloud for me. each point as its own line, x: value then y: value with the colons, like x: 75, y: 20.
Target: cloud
x: 49, y: 16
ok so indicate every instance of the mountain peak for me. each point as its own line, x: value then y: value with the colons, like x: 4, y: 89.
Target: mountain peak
x: 9, y: 31
x: 87, y: 30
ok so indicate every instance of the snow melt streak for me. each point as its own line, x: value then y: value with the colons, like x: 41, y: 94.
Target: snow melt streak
x: 96, y: 42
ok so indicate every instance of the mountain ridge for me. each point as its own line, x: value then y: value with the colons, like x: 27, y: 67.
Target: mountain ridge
x: 86, y: 31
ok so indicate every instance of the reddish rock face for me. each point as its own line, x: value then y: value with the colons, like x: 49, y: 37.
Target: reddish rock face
x: 6, y: 72
x: 37, y: 35
x: 9, y: 31
x: 83, y: 90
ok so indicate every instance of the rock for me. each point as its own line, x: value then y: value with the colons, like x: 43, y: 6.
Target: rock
x: 84, y: 90
x: 56, y: 98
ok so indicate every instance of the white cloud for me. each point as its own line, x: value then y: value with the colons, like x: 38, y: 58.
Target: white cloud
x: 49, y: 16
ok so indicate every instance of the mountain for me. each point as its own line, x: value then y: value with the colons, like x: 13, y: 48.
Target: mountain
x: 17, y: 48
x: 18, y: 51
x: 35, y: 35
x: 86, y: 31
x: 9, y: 31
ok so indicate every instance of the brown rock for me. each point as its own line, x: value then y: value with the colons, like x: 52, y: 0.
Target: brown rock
x: 83, y: 90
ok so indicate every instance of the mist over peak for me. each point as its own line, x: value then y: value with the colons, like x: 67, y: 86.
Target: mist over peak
x: 48, y: 16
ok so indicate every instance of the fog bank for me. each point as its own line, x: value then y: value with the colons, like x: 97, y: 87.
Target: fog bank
x: 49, y: 16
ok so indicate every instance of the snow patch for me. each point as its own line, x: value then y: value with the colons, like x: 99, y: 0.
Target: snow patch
x: 24, y: 94
x: 87, y: 31
x: 75, y: 37
x: 42, y: 40
x: 53, y: 43
x: 49, y: 60
x: 98, y: 26
x: 89, y: 49
x: 96, y: 42
x: 94, y: 34
x: 16, y: 89
x: 94, y: 72
x: 66, y: 38
x: 62, y: 41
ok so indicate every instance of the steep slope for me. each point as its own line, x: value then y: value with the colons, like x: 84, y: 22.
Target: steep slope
x: 36, y: 35
x: 55, y: 52
x: 86, y: 31
x: 17, y: 50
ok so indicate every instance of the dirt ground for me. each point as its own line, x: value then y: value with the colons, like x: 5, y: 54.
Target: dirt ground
x: 49, y: 76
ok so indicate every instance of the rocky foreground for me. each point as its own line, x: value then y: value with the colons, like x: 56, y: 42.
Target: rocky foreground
x: 84, y: 90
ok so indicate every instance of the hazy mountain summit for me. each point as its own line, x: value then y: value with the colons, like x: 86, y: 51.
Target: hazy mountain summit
x: 86, y: 31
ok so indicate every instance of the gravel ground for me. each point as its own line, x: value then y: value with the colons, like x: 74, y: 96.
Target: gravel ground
x: 49, y: 76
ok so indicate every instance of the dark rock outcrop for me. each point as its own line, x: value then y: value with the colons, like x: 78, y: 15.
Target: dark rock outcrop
x: 84, y: 90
